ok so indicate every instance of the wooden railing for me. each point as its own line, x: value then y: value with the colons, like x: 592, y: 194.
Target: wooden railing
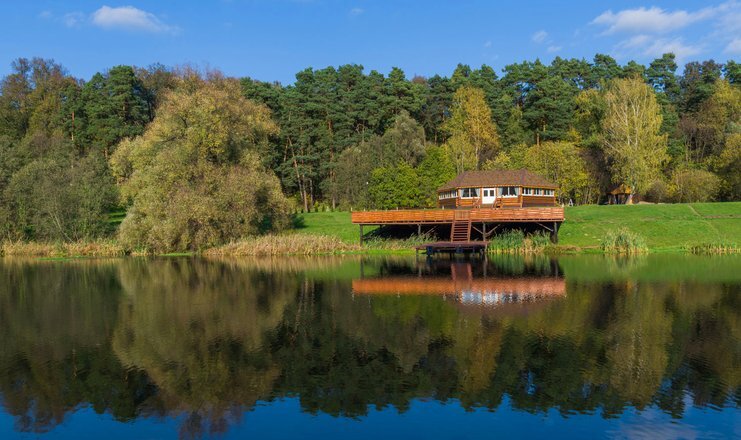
x: 478, y: 215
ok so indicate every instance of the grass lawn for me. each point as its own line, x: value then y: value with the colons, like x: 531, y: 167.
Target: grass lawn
x: 336, y: 224
x: 665, y: 227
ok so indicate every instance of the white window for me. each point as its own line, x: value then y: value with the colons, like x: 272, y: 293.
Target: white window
x: 527, y: 191
x: 469, y: 193
x: 510, y: 191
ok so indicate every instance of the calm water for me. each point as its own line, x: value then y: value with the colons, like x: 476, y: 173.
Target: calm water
x: 577, y: 347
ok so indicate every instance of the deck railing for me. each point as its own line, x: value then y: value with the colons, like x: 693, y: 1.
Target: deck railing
x: 478, y: 215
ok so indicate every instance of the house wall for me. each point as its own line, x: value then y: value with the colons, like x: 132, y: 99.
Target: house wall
x: 521, y: 200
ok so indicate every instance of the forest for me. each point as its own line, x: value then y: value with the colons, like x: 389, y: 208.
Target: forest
x: 193, y: 158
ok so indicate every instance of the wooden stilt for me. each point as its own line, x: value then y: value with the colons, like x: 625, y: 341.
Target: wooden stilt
x: 361, y: 235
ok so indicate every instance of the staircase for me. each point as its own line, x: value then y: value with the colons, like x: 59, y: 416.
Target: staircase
x: 461, y: 228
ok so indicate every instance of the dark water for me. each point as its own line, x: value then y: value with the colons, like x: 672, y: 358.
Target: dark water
x: 576, y: 347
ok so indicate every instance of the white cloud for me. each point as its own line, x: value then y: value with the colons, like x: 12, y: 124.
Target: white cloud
x: 356, y: 11
x: 647, y: 46
x: 552, y: 49
x: 539, y: 36
x: 46, y: 15
x: 73, y: 19
x: 487, y: 44
x: 652, y: 20
x: 734, y: 47
x: 655, y: 20
x: 130, y: 18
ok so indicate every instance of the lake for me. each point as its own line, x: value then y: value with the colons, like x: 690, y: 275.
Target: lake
x: 368, y: 347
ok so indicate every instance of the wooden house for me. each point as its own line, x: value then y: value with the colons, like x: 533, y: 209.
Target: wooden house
x: 497, y: 189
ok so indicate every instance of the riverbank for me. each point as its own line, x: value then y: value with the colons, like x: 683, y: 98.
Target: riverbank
x: 692, y: 228
x: 664, y: 228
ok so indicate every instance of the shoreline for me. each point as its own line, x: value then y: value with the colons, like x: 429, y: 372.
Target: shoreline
x: 82, y: 250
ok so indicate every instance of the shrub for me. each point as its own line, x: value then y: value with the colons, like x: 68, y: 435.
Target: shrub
x: 693, y: 185
x: 623, y: 241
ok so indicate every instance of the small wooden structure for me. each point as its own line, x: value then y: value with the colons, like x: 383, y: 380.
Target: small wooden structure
x: 621, y: 195
x: 497, y: 189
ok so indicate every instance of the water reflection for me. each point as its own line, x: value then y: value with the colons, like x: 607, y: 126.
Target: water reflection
x: 207, y: 340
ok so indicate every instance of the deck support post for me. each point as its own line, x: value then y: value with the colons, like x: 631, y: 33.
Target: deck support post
x: 361, y: 234
x: 419, y: 229
x: 483, y: 231
x: 554, y: 233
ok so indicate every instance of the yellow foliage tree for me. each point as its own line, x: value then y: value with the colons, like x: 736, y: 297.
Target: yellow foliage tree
x: 632, y: 141
x: 473, y: 135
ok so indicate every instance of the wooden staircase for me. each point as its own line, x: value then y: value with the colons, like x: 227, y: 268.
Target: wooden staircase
x: 460, y: 231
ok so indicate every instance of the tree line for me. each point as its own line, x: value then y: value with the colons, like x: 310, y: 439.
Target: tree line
x: 196, y: 159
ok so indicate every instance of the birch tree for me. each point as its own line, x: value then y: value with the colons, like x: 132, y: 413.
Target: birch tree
x: 632, y: 142
x: 473, y: 135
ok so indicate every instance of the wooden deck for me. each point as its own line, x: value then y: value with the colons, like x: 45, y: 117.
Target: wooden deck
x: 448, y: 216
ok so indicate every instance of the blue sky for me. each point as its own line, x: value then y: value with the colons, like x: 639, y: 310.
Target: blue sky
x: 273, y: 39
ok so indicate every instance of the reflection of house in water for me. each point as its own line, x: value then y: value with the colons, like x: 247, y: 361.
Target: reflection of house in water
x: 523, y: 292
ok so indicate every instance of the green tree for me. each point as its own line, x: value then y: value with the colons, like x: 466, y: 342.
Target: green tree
x: 194, y: 178
x: 114, y: 106
x: 435, y: 169
x: 394, y: 187
x: 632, y: 141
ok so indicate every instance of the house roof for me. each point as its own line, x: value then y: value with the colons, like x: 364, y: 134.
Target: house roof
x: 498, y: 178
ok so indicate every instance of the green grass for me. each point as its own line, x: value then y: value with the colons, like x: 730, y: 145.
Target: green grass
x: 663, y: 227
x: 336, y: 224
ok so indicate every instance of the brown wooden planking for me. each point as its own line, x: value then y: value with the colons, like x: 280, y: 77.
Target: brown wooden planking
x: 444, y: 216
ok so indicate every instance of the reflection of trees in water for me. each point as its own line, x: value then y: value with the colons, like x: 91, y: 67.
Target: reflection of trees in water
x: 208, y: 339
x: 197, y: 330
x: 55, y: 322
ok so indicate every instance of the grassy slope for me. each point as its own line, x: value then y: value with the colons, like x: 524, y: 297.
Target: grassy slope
x: 330, y: 223
x: 663, y: 226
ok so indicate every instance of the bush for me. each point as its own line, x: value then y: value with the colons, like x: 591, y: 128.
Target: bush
x: 623, y: 241
x: 657, y: 192
x: 692, y: 185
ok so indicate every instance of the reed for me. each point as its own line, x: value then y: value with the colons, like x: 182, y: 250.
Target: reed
x: 623, y: 241
x: 516, y: 242
x: 287, y: 244
x: 715, y: 248
x: 95, y: 248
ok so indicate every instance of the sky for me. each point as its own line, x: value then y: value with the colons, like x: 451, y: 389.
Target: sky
x: 271, y: 40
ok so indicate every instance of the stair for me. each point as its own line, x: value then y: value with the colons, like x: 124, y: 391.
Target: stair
x: 460, y: 231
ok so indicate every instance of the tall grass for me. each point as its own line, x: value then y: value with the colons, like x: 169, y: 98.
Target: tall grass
x: 288, y: 244
x: 713, y: 248
x: 623, y: 241
x: 396, y: 244
x: 95, y: 248
x: 516, y: 242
